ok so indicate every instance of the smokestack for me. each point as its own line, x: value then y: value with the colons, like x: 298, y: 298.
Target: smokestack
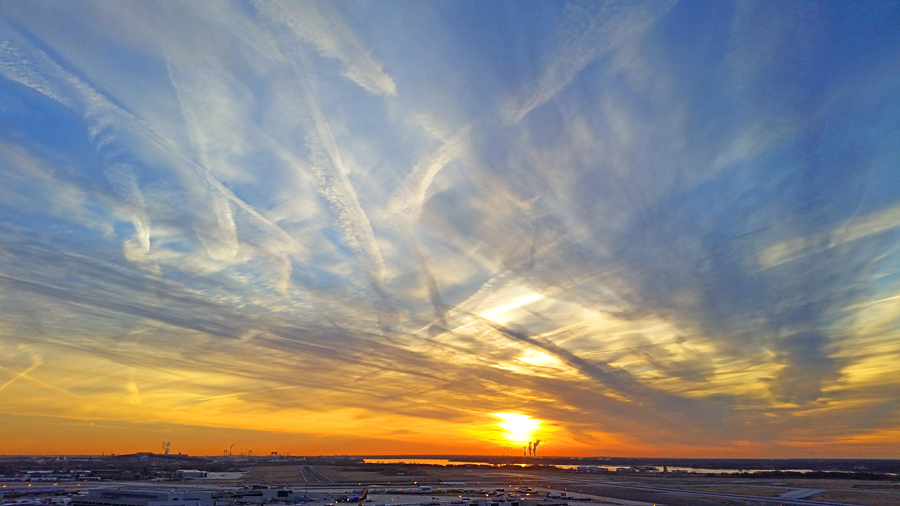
x: 534, y: 449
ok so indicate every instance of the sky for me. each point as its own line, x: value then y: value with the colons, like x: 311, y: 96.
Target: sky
x: 626, y: 228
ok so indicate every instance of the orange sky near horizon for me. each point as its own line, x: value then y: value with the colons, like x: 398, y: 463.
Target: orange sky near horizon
x: 30, y: 435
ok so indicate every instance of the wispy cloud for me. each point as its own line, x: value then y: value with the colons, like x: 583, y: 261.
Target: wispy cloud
x: 853, y: 229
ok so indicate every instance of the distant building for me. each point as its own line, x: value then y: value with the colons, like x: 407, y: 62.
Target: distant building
x: 499, y: 502
x: 267, y: 495
x: 191, y: 474
x: 515, y: 501
x: 591, y: 469
x: 144, y: 497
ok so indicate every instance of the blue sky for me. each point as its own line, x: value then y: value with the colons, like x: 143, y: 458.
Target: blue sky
x: 656, y: 227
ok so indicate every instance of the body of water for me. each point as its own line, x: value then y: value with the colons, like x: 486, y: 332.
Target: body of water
x: 448, y: 462
x: 431, y: 462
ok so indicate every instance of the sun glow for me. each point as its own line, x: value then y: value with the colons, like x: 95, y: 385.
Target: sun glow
x: 518, y: 429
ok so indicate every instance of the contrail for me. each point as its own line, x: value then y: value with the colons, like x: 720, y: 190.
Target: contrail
x: 409, y: 198
x: 335, y: 186
x: 337, y: 190
x: 334, y: 38
x: 95, y: 106
x: 35, y: 362
x: 586, y: 35
x: 405, y: 205
x: 440, y: 309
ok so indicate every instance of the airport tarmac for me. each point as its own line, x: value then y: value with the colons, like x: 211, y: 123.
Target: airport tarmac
x: 473, y: 483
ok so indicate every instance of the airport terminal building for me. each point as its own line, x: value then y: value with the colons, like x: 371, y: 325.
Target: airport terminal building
x: 142, y: 497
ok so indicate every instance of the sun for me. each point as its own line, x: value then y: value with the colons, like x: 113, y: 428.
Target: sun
x: 517, y: 428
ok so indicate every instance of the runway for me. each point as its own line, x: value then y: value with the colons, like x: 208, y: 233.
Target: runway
x: 312, y: 475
